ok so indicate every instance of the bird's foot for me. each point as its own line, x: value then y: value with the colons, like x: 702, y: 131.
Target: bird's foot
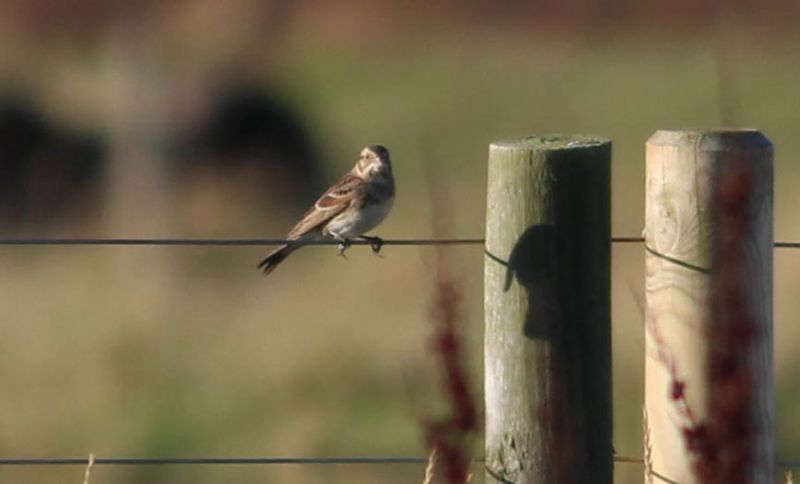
x: 375, y: 243
x: 343, y: 246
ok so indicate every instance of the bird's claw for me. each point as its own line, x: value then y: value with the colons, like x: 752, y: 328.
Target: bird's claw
x: 375, y: 243
x: 343, y: 246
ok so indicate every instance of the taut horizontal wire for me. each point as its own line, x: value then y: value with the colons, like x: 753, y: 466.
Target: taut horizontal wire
x: 60, y: 461
x: 778, y: 245
x: 230, y: 242
x: 212, y: 461
x: 266, y: 242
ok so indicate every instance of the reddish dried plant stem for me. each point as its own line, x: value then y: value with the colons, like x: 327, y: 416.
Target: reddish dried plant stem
x: 450, y: 435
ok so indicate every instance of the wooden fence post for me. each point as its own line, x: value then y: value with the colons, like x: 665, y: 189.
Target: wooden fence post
x: 547, y: 311
x: 708, y: 369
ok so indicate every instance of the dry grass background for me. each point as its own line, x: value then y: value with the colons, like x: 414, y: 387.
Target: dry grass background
x: 183, y: 352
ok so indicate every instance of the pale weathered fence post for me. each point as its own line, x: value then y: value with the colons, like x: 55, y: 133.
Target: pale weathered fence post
x: 708, y: 370
x: 546, y: 295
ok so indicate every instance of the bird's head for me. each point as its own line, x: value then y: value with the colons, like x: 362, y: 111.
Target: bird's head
x: 374, y: 161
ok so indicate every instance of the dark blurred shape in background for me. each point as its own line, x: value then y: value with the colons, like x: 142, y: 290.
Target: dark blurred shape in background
x: 48, y: 174
x: 250, y: 129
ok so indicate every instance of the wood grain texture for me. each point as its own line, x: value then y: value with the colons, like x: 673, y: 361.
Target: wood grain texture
x: 547, y: 311
x: 708, y: 235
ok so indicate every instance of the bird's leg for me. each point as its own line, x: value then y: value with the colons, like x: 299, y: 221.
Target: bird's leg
x: 375, y: 243
x: 344, y: 244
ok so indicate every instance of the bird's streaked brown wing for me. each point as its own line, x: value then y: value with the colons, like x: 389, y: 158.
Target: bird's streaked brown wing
x: 331, y: 203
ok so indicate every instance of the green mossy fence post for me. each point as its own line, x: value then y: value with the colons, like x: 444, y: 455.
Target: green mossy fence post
x: 708, y: 359
x: 547, y: 311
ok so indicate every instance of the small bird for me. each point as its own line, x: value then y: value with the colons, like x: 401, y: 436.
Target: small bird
x: 355, y: 204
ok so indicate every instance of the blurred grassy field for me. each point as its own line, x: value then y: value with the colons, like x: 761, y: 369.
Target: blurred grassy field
x: 181, y: 352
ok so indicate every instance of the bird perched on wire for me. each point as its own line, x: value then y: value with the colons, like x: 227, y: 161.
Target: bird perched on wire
x: 355, y: 204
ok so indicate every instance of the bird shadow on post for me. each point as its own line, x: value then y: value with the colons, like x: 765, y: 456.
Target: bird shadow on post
x: 532, y: 263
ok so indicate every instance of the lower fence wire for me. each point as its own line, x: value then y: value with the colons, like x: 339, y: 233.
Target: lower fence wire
x: 98, y: 461
x: 123, y: 461
x: 92, y: 461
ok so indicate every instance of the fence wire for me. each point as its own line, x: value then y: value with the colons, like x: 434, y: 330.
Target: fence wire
x: 68, y: 461
x: 379, y: 460
x: 267, y: 242
x: 229, y: 242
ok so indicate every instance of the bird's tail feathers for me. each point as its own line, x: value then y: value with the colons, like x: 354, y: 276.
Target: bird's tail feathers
x: 271, y: 261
